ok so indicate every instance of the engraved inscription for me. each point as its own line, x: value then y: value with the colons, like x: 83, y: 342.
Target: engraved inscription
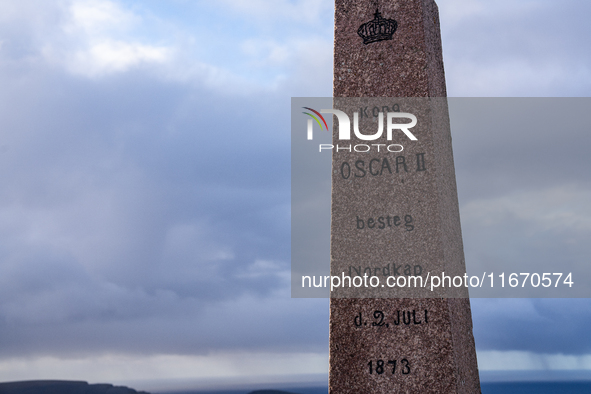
x: 382, y: 166
x: 375, y: 111
x: 380, y: 366
x: 383, y: 222
x: 392, y: 269
x: 397, y: 318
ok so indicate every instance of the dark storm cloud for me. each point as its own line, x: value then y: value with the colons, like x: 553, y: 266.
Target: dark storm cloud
x: 540, y: 326
x: 524, y: 193
x: 134, y: 206
x: 516, y: 48
x: 523, y: 190
x: 142, y: 211
x: 147, y: 214
x: 513, y: 144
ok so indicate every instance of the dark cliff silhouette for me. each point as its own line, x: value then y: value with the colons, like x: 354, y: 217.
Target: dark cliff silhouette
x: 63, y: 387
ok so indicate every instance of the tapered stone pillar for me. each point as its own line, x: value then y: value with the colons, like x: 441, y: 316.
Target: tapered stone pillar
x: 396, y: 216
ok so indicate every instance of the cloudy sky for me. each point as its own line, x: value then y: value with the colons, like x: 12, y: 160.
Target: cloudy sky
x: 145, y: 172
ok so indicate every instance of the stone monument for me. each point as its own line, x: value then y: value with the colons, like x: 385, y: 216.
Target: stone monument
x: 398, y: 216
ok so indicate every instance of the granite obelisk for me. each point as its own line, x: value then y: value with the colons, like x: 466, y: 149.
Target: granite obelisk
x: 389, y: 345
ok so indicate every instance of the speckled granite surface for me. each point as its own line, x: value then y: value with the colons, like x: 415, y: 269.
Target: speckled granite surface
x: 398, y: 345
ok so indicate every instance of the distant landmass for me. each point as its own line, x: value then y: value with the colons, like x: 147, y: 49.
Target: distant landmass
x: 63, y: 387
x: 285, y: 390
x: 79, y: 387
x: 270, y: 392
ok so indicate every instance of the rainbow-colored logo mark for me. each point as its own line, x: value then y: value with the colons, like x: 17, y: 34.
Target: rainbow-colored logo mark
x: 310, y: 124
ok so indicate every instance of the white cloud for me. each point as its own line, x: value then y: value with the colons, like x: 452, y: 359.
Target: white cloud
x: 304, y: 64
x: 96, y: 16
x: 510, y: 76
x: 98, y: 40
x: 107, y: 57
x: 453, y: 12
x: 270, y: 11
x: 266, y: 51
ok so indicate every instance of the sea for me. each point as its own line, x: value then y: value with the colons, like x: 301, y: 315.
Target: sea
x: 491, y: 382
x: 487, y: 388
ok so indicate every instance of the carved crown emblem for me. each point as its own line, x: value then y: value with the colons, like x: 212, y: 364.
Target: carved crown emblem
x: 378, y: 29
